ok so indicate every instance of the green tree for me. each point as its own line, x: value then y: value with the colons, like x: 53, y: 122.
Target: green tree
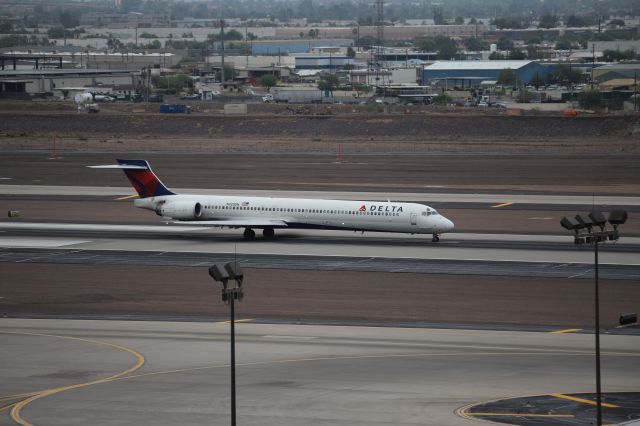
x: 516, y: 54
x: 441, y: 99
x: 537, y: 81
x: 367, y: 41
x: 329, y: 82
x: 496, y: 56
x: 229, y: 73
x: 564, y: 43
x: 590, y: 99
x: 268, y: 81
x: 6, y: 27
x: 173, y: 83
x: 576, y: 21
x: 510, y: 22
x: 524, y: 96
x: 504, y: 43
x: 564, y: 74
x: 475, y: 44
x: 548, y: 21
x: 233, y: 35
x: 350, y: 52
x: 57, y: 32
x: 616, y: 55
x: 446, y: 47
x: 507, y: 77
x: 114, y: 43
x: 68, y: 19
x: 438, y: 15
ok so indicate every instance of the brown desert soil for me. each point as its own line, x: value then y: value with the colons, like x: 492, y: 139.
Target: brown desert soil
x: 358, y: 129
x: 318, y: 295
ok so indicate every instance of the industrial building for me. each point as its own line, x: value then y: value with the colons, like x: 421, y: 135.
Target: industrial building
x: 465, y: 74
x: 25, y: 84
x: 625, y: 70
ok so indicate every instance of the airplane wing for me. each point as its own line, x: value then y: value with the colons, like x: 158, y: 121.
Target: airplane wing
x: 236, y: 223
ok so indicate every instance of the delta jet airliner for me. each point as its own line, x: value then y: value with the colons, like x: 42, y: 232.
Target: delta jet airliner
x: 268, y: 213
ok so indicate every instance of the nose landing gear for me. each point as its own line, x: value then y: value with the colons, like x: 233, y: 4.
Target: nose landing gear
x: 435, y: 238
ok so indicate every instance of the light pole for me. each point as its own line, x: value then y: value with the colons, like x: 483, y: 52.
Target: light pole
x: 583, y: 226
x: 229, y: 295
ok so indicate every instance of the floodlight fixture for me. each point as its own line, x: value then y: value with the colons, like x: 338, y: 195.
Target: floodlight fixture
x: 585, y: 220
x: 618, y: 217
x: 235, y: 272
x: 598, y: 219
x: 570, y: 223
x: 219, y: 275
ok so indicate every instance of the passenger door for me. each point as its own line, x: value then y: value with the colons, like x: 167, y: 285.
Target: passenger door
x: 413, y: 218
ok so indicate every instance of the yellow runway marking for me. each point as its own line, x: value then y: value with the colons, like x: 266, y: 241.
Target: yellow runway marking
x: 568, y: 330
x: 17, y: 396
x: 6, y: 407
x: 502, y: 205
x: 236, y: 321
x: 584, y: 401
x: 517, y: 415
x: 126, y: 197
x: 17, y: 408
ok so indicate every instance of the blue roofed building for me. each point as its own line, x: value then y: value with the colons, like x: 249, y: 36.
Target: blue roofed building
x: 472, y: 73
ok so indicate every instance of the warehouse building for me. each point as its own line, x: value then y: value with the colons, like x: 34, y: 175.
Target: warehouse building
x: 468, y: 74
x: 24, y: 84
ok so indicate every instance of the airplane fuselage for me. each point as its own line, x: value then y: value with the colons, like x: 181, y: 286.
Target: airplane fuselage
x: 239, y: 212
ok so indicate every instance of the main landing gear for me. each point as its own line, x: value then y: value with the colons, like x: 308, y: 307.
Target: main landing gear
x: 250, y: 234
x: 435, y: 238
x: 268, y: 233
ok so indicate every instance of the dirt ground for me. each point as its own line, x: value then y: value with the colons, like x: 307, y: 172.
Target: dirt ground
x: 387, y: 174
x: 321, y: 295
x: 363, y: 131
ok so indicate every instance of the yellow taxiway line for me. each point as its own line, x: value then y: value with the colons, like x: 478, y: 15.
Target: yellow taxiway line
x: 497, y: 206
x: 568, y: 330
x: 584, y: 401
x: 17, y: 407
x: 127, y: 197
x: 236, y: 321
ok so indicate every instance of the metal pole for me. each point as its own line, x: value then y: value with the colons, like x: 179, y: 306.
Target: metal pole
x: 597, y: 301
x: 233, y: 361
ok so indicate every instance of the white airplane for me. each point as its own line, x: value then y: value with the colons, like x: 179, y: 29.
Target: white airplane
x: 269, y: 213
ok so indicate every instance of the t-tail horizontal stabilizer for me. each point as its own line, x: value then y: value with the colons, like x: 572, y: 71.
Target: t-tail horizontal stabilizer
x: 142, y: 178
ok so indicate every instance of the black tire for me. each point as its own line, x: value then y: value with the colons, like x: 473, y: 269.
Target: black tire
x: 249, y: 234
x: 268, y: 233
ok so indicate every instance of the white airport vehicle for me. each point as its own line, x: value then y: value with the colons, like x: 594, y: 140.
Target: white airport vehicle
x: 85, y: 103
x: 269, y: 213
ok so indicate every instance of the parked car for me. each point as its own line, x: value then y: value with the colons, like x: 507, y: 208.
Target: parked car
x: 193, y: 96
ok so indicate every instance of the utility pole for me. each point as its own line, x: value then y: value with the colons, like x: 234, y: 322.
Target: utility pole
x: 593, y: 61
x: 222, y: 80
x: 635, y: 91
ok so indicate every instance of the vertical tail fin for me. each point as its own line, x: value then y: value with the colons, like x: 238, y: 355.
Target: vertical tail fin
x: 142, y: 178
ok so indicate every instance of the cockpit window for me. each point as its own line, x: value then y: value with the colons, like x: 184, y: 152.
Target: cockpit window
x: 433, y: 212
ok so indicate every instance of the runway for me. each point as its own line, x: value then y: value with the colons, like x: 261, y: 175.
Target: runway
x: 58, y: 372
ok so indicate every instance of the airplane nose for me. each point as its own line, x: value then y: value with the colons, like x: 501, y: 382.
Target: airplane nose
x: 447, y: 225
